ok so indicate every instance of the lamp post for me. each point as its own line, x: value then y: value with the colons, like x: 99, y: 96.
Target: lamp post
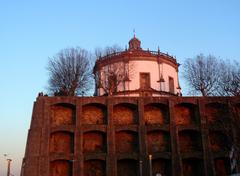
x: 140, y: 167
x: 150, y: 165
x: 8, y: 167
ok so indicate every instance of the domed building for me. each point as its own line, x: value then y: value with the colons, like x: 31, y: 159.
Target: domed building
x: 143, y: 128
x: 137, y: 72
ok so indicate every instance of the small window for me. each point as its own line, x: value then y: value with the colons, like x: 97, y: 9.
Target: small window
x: 144, y: 80
x: 112, y: 83
x: 171, y: 84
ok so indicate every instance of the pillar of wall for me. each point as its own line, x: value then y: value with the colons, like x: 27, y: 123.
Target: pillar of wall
x: 176, y: 165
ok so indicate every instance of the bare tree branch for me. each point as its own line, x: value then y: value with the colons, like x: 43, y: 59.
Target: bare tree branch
x: 69, y: 72
x: 201, y: 73
x: 112, y: 75
x: 100, y: 52
x: 229, y: 83
x: 208, y: 76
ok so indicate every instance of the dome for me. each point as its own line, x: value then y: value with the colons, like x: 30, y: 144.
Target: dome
x: 134, y: 44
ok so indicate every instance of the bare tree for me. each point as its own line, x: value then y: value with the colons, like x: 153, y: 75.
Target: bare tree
x: 100, y: 52
x: 201, y: 74
x: 112, y: 75
x: 69, y: 72
x: 229, y: 79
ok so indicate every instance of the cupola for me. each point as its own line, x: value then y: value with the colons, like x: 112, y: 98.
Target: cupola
x: 134, y: 44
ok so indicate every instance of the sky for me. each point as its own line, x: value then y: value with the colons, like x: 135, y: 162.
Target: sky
x: 32, y: 31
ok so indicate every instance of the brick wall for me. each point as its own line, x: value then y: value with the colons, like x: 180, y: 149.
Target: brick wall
x: 94, y: 114
x: 126, y: 142
x: 62, y: 115
x: 127, y: 167
x: 154, y: 114
x: 94, y: 142
x: 61, y: 142
x: 124, y: 114
x: 94, y: 168
x: 60, y: 168
x: 158, y: 141
x: 73, y: 136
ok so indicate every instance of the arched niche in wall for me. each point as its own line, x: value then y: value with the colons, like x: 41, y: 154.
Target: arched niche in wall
x: 156, y: 114
x: 61, y: 142
x: 222, y: 166
x: 94, y: 167
x: 125, y: 114
x: 192, y: 166
x: 161, y: 166
x: 94, y: 114
x: 94, y: 142
x: 127, y: 167
x: 219, y: 141
x: 189, y: 141
x: 158, y: 141
x: 63, y: 114
x: 186, y: 114
x: 126, y: 142
x: 61, y: 168
x: 217, y: 113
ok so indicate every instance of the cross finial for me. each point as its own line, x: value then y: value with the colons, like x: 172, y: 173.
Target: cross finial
x: 134, y: 33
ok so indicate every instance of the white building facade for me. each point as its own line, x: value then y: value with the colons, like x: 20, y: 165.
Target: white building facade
x: 137, y: 72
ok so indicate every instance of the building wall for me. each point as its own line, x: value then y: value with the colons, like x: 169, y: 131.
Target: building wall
x: 148, y: 65
x: 114, y: 136
x: 152, y: 67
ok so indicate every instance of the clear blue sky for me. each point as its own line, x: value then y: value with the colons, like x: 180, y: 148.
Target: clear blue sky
x: 32, y: 31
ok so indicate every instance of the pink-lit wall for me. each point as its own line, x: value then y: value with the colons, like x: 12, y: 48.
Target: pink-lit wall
x: 151, y: 66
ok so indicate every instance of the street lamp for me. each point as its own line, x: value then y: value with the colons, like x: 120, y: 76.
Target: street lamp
x: 140, y: 167
x: 8, y: 165
x: 150, y: 165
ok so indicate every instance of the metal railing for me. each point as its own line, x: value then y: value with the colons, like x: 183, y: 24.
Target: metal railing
x: 148, y: 52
